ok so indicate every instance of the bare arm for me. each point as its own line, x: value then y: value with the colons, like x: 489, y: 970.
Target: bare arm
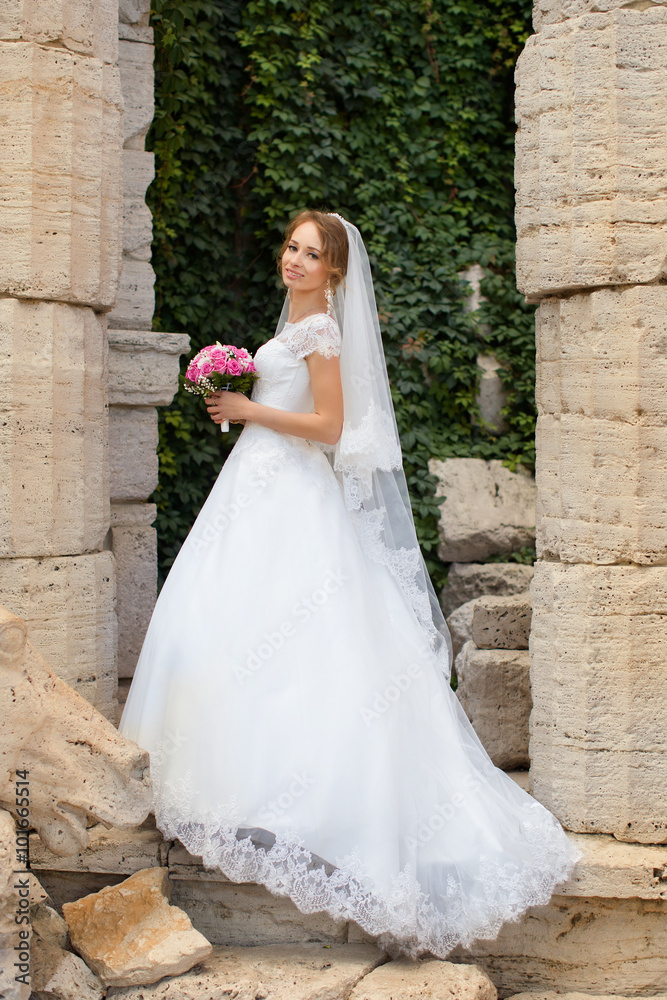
x: 324, y: 424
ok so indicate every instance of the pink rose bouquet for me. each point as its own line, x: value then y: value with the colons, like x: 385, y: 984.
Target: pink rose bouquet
x: 220, y: 366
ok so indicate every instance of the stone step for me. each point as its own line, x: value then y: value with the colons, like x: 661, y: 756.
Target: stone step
x: 578, y: 996
x: 605, y: 929
x: 314, y: 971
x: 610, y: 868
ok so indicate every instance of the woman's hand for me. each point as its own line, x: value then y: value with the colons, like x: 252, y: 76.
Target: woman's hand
x: 224, y: 405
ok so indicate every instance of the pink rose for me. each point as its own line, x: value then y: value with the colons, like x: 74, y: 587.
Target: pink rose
x: 250, y: 367
x: 216, y: 353
x: 206, y: 368
x: 220, y: 364
x: 233, y: 367
x: 192, y: 372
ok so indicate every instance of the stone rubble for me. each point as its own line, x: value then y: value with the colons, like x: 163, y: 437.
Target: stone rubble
x: 304, y: 971
x: 494, y: 691
x: 501, y: 622
x: 486, y: 509
x: 80, y: 766
x: 459, y: 624
x: 130, y: 935
x: 429, y: 979
x: 57, y: 974
x: 467, y: 581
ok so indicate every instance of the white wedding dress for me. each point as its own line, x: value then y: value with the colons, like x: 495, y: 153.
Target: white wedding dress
x: 301, y: 732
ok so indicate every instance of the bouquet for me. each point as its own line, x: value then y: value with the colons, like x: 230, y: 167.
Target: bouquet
x: 220, y: 366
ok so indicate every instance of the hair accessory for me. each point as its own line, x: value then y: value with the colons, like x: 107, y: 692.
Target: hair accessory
x: 337, y: 216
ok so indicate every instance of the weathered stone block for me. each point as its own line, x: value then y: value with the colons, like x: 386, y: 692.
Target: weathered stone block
x: 135, y: 61
x: 491, y: 394
x: 129, y: 934
x: 54, y: 474
x: 486, y: 509
x: 138, y: 172
x: 586, y: 944
x: 466, y: 581
x: 602, y: 496
x: 598, y: 729
x: 80, y: 768
x: 135, y: 33
x: 134, y: 12
x: 88, y: 26
x: 109, y: 851
x: 143, y: 366
x: 60, y: 176
x: 47, y: 924
x: 590, y: 149
x: 494, y: 690
x: 133, y: 460
x: 501, y: 622
x: 459, y: 624
x: 68, y: 605
x: 428, y: 979
x: 135, y: 301
x: 134, y: 545
x: 305, y: 971
x: 610, y: 869
x: 58, y: 973
x: 551, y: 11
x: 248, y: 914
x: 575, y: 996
x: 602, y: 432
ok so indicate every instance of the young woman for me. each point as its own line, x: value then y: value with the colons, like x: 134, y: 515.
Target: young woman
x: 293, y: 687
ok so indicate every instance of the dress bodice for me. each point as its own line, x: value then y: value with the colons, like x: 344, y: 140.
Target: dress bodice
x: 284, y: 380
x: 284, y: 383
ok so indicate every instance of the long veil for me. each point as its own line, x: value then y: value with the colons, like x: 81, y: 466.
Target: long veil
x: 367, y: 459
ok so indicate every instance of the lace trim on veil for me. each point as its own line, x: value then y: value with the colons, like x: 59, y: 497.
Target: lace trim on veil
x: 369, y: 446
x: 404, y: 920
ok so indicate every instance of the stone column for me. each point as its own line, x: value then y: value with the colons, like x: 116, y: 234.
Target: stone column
x: 76, y: 85
x: 60, y: 243
x: 143, y: 364
x: 592, y: 251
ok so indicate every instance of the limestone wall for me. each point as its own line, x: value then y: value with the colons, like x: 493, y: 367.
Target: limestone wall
x: 143, y: 366
x: 76, y: 307
x: 592, y: 250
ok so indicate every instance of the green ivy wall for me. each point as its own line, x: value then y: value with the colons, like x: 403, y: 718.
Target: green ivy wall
x: 397, y: 115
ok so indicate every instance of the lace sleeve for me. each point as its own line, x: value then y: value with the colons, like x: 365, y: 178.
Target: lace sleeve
x: 317, y: 333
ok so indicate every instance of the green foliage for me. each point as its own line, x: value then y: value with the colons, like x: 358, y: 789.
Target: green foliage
x: 397, y: 115
x: 526, y: 555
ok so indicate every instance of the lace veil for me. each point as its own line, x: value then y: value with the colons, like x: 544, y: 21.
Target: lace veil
x: 367, y: 458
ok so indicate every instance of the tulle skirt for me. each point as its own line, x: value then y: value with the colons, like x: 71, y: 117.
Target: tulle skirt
x: 302, y: 734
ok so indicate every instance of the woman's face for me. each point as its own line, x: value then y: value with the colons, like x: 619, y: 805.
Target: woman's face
x: 302, y: 267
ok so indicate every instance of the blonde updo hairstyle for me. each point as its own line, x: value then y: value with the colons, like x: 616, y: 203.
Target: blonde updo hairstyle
x: 334, y: 242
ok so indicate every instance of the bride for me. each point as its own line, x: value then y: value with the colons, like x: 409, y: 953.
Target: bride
x: 293, y: 687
